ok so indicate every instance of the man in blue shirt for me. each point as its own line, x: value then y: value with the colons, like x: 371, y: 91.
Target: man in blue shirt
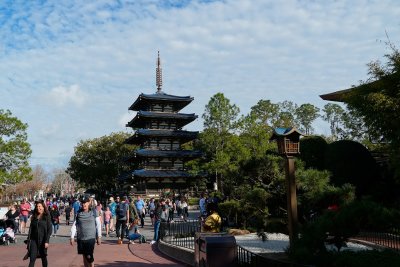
x: 203, y: 205
x: 140, y: 208
x: 76, y: 206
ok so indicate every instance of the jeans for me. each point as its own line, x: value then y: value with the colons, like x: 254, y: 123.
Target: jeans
x: 156, y: 230
x: 55, y: 228
x: 121, y: 228
x: 134, y: 236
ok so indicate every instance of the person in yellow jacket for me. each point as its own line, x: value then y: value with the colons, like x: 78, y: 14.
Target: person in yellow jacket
x: 213, y: 222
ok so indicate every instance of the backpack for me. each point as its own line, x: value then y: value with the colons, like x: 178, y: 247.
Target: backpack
x: 121, y: 211
x: 142, y: 239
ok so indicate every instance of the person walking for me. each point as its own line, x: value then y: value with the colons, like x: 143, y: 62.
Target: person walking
x: 24, y: 210
x: 55, y: 219
x: 76, y: 207
x: 40, y: 231
x: 203, y: 205
x: 152, y: 208
x: 67, y: 213
x: 113, y: 208
x: 107, y: 220
x: 140, y: 208
x: 122, y: 220
x: 88, y: 229
x: 184, y: 209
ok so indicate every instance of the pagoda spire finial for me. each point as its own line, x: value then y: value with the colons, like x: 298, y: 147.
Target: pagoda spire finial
x: 158, y: 74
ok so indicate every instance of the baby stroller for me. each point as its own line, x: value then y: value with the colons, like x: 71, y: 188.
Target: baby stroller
x: 7, y: 234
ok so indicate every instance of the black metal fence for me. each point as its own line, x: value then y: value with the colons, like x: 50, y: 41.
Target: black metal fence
x: 182, y: 234
x: 247, y: 258
x: 389, y: 239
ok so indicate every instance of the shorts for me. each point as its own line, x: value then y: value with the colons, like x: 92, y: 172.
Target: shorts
x: 86, y: 247
x: 106, y: 222
x: 23, y: 218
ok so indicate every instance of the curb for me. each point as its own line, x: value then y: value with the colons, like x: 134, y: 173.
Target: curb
x: 179, y: 254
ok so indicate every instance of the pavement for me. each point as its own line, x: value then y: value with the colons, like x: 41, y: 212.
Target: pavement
x: 109, y: 253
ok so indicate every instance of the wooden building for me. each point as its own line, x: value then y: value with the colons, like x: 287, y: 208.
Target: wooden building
x: 159, y: 134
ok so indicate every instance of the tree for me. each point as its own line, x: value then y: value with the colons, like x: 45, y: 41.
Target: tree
x: 62, y: 184
x: 346, y: 124
x: 98, y: 162
x: 220, y: 120
x: 333, y: 114
x: 377, y: 102
x: 14, y: 149
x: 287, y: 111
x: 220, y: 114
x: 266, y: 112
x: 306, y: 114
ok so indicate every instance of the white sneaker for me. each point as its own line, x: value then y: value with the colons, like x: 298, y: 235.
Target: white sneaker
x: 153, y: 242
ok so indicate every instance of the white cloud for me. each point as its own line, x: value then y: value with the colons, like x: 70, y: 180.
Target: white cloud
x: 61, y: 96
x: 248, y: 50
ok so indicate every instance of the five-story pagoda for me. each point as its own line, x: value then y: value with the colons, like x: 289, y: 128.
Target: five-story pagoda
x: 160, y: 137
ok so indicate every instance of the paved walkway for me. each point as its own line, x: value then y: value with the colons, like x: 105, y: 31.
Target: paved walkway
x: 109, y: 253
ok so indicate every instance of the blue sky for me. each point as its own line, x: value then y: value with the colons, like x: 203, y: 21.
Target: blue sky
x: 70, y: 69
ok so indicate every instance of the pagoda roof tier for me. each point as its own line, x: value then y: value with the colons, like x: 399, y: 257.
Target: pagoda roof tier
x: 143, y: 134
x: 142, y: 117
x: 152, y: 153
x: 143, y: 173
x: 143, y: 101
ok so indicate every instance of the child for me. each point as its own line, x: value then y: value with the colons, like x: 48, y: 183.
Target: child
x: 107, y: 219
x: 8, y: 234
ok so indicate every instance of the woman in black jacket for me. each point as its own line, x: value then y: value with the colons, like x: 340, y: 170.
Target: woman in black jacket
x: 39, y: 233
x: 13, y: 216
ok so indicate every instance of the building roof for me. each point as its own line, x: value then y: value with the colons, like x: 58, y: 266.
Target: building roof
x: 143, y: 134
x: 144, y: 100
x: 142, y: 117
x: 281, y: 131
x: 151, y: 153
x: 340, y: 96
x: 143, y: 173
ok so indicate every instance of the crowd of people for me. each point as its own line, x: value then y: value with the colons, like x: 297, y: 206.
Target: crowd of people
x: 120, y: 215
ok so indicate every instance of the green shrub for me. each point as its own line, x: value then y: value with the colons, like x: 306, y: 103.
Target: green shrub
x: 340, y: 225
x: 350, y: 162
x: 312, y: 151
x: 249, y: 212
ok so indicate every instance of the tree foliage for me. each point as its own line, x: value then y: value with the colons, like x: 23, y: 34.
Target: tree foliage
x: 306, y: 114
x: 377, y: 102
x: 220, y: 114
x: 313, y: 151
x: 350, y: 162
x: 14, y: 149
x: 97, y: 162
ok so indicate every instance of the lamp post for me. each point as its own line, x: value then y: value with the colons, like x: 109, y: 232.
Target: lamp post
x: 288, y: 140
